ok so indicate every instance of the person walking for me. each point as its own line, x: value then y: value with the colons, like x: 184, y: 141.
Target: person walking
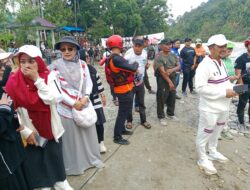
x: 165, y: 65
x: 136, y: 54
x: 98, y: 100
x: 146, y: 79
x: 242, y: 71
x: 176, y: 44
x: 225, y: 133
x: 215, y: 90
x: 199, y: 51
x: 122, y: 76
x: 35, y: 92
x: 188, y: 58
x: 80, y: 145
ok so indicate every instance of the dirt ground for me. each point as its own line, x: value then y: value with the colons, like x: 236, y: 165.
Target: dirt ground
x: 164, y: 158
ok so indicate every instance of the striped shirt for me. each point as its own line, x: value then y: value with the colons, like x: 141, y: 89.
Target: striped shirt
x: 97, y: 88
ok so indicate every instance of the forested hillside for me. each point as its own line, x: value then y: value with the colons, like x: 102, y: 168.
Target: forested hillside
x: 230, y: 17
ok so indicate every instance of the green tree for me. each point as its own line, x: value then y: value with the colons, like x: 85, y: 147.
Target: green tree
x: 154, y: 14
x: 58, y: 12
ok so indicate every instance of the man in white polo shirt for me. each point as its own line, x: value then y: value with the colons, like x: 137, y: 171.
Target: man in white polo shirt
x: 215, y: 90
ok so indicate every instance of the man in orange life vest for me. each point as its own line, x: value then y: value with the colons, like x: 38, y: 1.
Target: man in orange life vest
x: 122, y: 76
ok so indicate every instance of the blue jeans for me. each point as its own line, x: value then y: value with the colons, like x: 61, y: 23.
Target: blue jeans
x: 177, y: 79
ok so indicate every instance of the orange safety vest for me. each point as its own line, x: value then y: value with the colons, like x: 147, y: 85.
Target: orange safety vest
x: 123, y: 80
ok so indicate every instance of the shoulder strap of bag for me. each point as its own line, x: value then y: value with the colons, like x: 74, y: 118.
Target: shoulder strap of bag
x: 81, y: 82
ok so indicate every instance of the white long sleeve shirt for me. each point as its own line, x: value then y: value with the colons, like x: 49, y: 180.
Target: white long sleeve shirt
x: 211, y: 82
x: 50, y: 95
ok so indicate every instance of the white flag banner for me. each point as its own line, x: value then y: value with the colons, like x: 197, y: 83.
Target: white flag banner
x: 127, y: 41
x: 155, y: 38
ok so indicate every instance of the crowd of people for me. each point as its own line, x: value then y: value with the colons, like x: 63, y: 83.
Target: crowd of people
x: 38, y: 125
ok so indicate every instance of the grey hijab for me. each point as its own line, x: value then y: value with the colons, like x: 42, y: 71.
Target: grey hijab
x: 70, y: 71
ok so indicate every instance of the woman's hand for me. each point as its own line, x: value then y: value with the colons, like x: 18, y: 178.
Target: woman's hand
x: 5, y: 99
x: 32, y: 139
x: 103, y: 99
x: 84, y: 100
x: 30, y: 73
x: 78, y: 105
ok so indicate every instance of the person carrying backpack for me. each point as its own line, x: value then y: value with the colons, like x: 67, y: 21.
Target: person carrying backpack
x: 120, y: 74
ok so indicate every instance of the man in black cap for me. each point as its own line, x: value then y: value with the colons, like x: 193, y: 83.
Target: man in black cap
x: 136, y: 54
x: 188, y: 59
x: 166, y: 64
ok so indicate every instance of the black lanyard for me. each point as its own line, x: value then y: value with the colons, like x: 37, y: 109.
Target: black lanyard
x: 219, y: 67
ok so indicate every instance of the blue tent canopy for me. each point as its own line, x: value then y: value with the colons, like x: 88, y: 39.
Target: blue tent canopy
x: 71, y: 29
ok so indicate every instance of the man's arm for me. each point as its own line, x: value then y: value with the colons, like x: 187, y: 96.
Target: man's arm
x: 165, y: 75
x: 239, y: 63
x: 123, y: 64
x: 238, y: 75
x: 195, y: 62
x: 174, y: 69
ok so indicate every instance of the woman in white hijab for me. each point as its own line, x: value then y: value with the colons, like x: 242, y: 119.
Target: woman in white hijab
x: 80, y: 145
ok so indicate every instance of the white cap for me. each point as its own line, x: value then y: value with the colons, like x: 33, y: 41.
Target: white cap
x: 5, y: 55
x: 30, y: 50
x: 218, y: 39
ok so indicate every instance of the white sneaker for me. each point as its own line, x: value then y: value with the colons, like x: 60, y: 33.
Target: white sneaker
x: 207, y: 166
x: 103, y: 148
x: 242, y: 128
x: 227, y: 135
x: 63, y: 185
x: 218, y: 157
x: 163, y: 122
x: 247, y: 125
x: 173, y: 118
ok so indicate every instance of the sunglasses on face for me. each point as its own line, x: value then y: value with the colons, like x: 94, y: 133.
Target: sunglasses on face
x: 70, y: 49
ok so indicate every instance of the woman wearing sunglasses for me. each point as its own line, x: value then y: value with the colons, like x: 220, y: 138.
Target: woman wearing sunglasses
x: 35, y: 92
x: 13, y: 165
x: 80, y: 145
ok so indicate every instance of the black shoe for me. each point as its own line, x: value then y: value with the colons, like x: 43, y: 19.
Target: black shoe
x: 151, y: 92
x: 121, y: 141
x: 193, y: 92
x: 127, y: 132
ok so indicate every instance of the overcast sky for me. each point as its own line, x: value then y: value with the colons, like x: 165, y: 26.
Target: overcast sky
x: 179, y: 7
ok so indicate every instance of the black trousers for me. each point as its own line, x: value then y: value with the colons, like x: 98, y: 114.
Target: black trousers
x: 188, y: 76
x: 125, y: 104
x: 164, y: 95
x: 146, y: 81
x: 139, y: 92
x: 243, y: 99
x: 100, y: 132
